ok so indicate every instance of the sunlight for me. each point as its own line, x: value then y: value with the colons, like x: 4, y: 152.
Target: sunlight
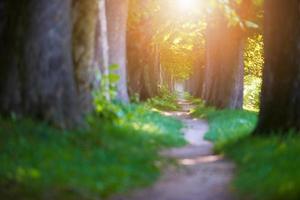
x: 186, y: 5
x: 201, y: 159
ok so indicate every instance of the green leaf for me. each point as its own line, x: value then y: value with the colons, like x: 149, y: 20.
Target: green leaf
x: 114, y: 78
x: 114, y: 67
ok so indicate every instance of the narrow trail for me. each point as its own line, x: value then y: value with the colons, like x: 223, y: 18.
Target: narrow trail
x: 201, y: 175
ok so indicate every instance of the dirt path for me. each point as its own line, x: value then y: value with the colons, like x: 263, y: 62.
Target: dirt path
x: 201, y: 175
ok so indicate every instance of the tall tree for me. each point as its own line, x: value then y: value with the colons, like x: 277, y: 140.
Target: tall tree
x: 143, y: 52
x: 280, y: 99
x: 143, y: 61
x: 117, y: 14
x: 137, y: 48
x: 224, y: 71
x: 36, y: 77
x: 195, y: 81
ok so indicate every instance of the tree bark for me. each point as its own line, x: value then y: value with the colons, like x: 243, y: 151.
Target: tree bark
x: 84, y: 16
x: 224, y: 71
x: 150, y: 76
x: 143, y: 61
x: 37, y: 76
x: 232, y: 64
x: 117, y: 13
x: 212, y: 71
x: 280, y: 99
x: 102, y: 48
x: 136, y: 60
x: 195, y: 82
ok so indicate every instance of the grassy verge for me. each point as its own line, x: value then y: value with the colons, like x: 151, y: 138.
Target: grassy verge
x: 166, y: 101
x: 267, y: 167
x: 38, y: 161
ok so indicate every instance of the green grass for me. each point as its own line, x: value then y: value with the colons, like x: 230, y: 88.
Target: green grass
x: 38, y: 161
x: 227, y: 125
x: 267, y: 167
x: 163, y: 103
x: 166, y: 101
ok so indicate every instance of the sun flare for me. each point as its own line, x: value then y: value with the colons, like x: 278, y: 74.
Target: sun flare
x: 186, y: 5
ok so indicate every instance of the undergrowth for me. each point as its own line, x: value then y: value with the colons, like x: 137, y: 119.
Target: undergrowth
x: 166, y: 100
x: 267, y: 167
x: 111, y: 156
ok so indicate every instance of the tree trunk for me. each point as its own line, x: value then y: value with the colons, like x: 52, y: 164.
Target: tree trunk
x: 155, y: 80
x: 84, y: 38
x: 136, y: 43
x: 117, y: 12
x: 211, y: 86
x: 195, y: 82
x: 37, y: 76
x: 103, y: 48
x: 280, y: 100
x: 150, y: 74
x: 232, y: 67
x: 143, y: 61
x: 224, y: 71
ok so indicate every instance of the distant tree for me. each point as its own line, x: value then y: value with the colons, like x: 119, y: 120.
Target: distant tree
x: 36, y: 77
x: 195, y: 81
x: 143, y: 53
x: 117, y: 14
x: 280, y: 99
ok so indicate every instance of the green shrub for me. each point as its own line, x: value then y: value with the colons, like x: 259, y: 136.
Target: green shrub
x: 254, y: 56
x: 110, y: 156
x: 254, y: 61
x: 202, y: 111
x: 252, y: 93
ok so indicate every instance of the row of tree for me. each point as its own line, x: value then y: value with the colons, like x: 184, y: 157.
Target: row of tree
x: 54, y: 53
x: 223, y: 82
x: 220, y: 81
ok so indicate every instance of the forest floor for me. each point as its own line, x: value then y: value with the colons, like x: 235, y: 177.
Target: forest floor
x: 199, y: 174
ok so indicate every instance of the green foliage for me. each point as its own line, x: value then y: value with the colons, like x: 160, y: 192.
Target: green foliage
x: 254, y: 61
x: 202, y: 111
x: 107, y: 108
x: 254, y: 56
x: 110, y: 156
x: 252, y: 92
x: 193, y: 100
x: 166, y: 100
x: 135, y: 98
x: 176, y: 35
x: 267, y: 167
